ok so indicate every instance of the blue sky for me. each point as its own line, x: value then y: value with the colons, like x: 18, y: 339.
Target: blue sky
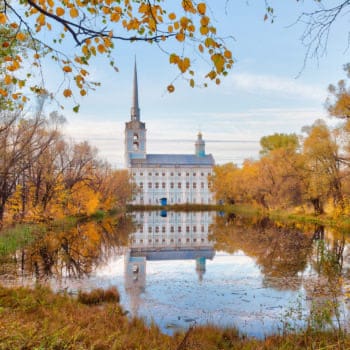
x: 268, y: 90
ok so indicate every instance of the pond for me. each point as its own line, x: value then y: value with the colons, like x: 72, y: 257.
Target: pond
x: 182, y: 268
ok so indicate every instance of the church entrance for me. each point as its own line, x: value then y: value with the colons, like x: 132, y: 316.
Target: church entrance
x: 163, y: 201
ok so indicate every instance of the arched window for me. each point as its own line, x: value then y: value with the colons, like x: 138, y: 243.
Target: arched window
x: 136, y: 137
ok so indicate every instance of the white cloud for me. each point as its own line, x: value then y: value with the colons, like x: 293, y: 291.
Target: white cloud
x: 269, y: 84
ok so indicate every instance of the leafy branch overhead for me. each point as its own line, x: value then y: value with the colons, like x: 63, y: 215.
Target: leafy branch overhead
x: 73, y: 32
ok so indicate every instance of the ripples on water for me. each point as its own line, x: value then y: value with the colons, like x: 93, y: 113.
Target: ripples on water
x: 184, y: 268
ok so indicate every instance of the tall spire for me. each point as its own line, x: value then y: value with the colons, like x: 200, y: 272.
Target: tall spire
x: 135, y: 110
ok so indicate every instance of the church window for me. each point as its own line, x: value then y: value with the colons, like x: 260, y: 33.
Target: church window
x: 179, y: 239
x: 134, y: 174
x: 202, y: 174
x: 202, y: 228
x: 209, y: 184
x: 141, y: 174
x: 179, y: 185
x: 171, y: 174
x: 163, y: 229
x: 136, y: 137
x: 179, y: 229
x: 187, y: 240
x: 194, y: 228
x: 172, y: 240
x: 171, y: 228
x: 194, y: 240
x: 163, y: 184
x: 157, y: 240
x: 187, y: 174
x: 141, y: 229
x: 157, y: 184
x: 202, y: 239
x: 141, y: 184
x: 202, y: 184
x: 187, y: 229
x: 157, y: 229
x: 149, y: 241
x: 194, y: 174
x: 179, y: 174
x: 194, y: 185
x: 187, y: 186
x: 157, y: 174
x: 171, y: 185
x: 163, y: 174
x: 163, y: 240
x: 149, y: 174
x: 141, y: 240
x: 135, y: 146
x: 150, y: 185
x: 149, y: 229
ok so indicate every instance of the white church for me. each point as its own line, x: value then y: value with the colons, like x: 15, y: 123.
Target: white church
x: 165, y: 179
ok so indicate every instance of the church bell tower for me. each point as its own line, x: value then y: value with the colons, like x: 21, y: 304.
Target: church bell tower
x: 135, y: 130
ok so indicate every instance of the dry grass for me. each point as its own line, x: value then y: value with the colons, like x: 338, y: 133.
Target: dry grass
x: 40, y: 319
x: 99, y: 296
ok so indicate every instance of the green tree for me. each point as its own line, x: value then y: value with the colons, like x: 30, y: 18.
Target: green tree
x: 278, y: 141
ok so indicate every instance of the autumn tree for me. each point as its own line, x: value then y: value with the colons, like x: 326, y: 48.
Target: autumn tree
x: 73, y: 33
x: 322, y: 167
x: 278, y: 141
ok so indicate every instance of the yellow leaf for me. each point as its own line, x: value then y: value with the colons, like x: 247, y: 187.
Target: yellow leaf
x: 59, y: 11
x: 173, y: 58
x: 21, y: 36
x: 192, y: 83
x: 7, y: 79
x: 204, y: 21
x: 227, y: 54
x: 101, y: 48
x: 204, y: 30
x: 172, y: 16
x: 82, y: 92
x: 201, y: 7
x: 3, y: 18
x: 171, y: 88
x: 73, y: 12
x: 14, y: 25
x: 200, y: 48
x: 67, y: 69
x: 115, y: 17
x: 3, y: 92
x: 67, y: 93
x: 50, y: 3
x: 180, y: 36
x: 36, y: 56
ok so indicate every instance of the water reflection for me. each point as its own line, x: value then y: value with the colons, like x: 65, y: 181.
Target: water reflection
x: 158, y: 237
x: 177, y: 268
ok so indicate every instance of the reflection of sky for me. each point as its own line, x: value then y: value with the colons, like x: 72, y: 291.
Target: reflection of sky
x: 231, y: 293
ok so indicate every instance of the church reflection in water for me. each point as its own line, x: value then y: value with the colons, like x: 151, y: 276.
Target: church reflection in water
x: 165, y: 235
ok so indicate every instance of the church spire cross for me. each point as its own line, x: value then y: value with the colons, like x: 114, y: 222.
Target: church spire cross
x: 135, y: 110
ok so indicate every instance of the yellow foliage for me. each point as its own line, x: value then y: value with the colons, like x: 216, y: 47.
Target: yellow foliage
x: 60, y: 11
x: 67, y: 93
x: 73, y: 12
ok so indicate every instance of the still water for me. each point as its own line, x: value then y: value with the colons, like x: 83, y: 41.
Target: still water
x: 184, y: 268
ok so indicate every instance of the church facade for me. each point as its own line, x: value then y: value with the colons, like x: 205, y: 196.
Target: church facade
x: 165, y: 178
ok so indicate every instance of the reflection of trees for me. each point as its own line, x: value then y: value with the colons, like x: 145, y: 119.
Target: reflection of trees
x: 281, y: 252
x: 77, y: 250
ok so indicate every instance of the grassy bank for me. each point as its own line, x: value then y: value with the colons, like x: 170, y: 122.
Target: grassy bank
x: 16, y: 237
x: 40, y: 319
x: 341, y: 222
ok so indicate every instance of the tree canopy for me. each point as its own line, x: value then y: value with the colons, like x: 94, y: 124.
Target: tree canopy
x: 73, y: 32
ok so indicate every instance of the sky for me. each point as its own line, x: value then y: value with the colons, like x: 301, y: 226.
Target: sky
x: 271, y: 88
